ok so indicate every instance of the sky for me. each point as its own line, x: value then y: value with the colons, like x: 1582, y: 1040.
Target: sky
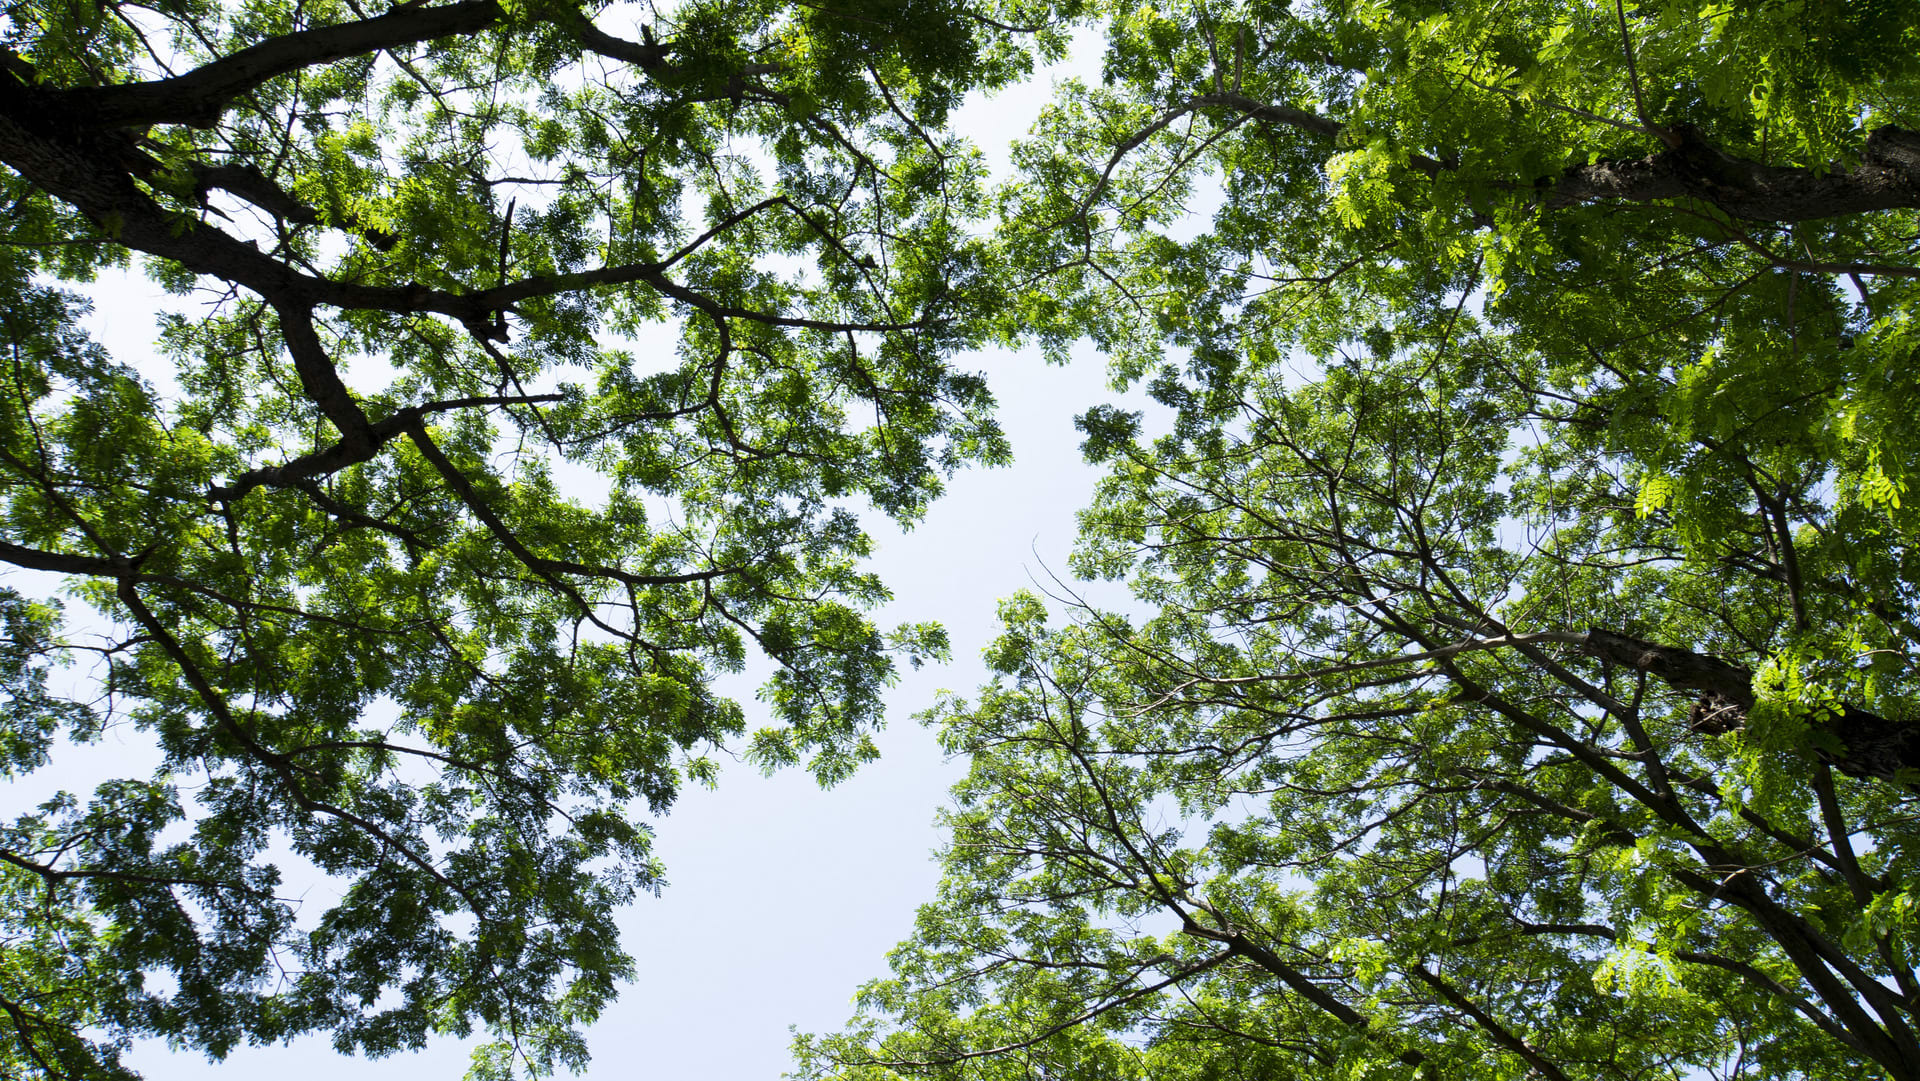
x: 781, y: 898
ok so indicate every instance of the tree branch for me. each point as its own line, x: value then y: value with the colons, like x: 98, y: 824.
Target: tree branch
x: 1887, y: 178
x: 294, y: 472
x: 1871, y: 745
x: 199, y: 97
x: 1501, y: 1034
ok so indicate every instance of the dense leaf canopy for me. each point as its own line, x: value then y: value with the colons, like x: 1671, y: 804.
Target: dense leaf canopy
x: 1520, y: 682
x: 415, y: 550
x: 1519, y: 679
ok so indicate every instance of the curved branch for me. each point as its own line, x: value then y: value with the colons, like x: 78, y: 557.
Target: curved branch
x: 296, y: 471
x: 199, y: 97
x: 549, y: 569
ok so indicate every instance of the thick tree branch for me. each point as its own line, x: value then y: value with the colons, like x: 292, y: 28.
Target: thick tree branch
x: 255, y: 187
x: 63, y: 563
x: 92, y: 173
x: 649, y: 56
x: 1871, y: 745
x: 1887, y: 178
x: 296, y: 471
x: 199, y: 97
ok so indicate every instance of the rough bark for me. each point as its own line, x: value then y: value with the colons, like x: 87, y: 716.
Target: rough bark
x: 1887, y: 178
x: 1870, y: 745
x: 200, y: 96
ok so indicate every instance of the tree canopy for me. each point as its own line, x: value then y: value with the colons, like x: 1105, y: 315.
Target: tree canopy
x: 415, y: 550
x: 1519, y: 682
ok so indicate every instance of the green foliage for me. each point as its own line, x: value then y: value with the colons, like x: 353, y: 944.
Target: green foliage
x: 416, y: 551
x: 1522, y: 683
